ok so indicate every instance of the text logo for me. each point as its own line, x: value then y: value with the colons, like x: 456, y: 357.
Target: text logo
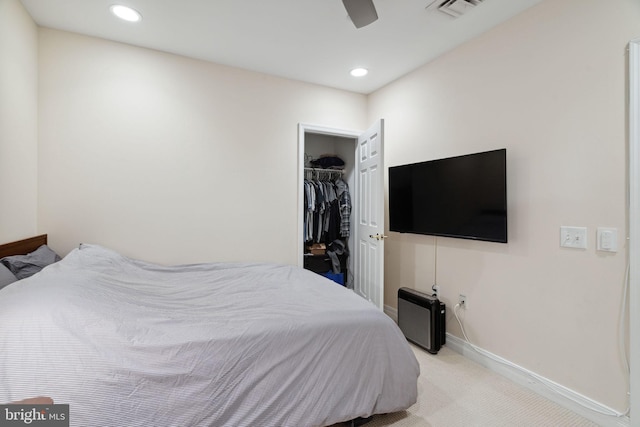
x: 56, y: 415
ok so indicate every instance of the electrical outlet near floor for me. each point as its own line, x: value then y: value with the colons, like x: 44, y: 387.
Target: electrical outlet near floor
x: 436, y: 290
x: 462, y: 300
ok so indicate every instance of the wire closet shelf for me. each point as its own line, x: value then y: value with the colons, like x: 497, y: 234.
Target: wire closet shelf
x: 320, y: 174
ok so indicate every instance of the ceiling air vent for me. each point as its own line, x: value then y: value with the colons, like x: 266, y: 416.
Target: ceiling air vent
x: 454, y: 8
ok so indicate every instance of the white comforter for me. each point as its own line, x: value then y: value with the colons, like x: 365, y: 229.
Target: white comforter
x: 129, y: 343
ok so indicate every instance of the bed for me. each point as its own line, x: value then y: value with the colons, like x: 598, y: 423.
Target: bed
x: 128, y: 342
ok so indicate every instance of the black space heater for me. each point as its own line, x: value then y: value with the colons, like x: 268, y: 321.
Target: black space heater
x: 421, y: 318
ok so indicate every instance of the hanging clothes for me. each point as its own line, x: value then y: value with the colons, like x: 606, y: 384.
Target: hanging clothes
x: 327, y: 217
x: 327, y: 206
x: 335, y: 251
x: 310, y: 206
x: 344, y: 204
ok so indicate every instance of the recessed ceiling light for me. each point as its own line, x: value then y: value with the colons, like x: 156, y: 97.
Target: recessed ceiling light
x: 126, y: 13
x: 359, y: 72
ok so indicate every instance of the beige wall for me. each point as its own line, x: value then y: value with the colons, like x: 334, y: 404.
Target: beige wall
x: 550, y: 86
x: 172, y: 159
x: 18, y: 121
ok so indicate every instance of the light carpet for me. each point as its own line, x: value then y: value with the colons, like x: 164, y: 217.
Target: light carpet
x: 456, y: 391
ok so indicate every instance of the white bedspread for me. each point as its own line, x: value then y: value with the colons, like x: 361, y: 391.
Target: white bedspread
x: 129, y: 343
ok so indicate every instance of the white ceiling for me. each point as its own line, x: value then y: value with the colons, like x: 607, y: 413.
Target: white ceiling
x: 309, y: 40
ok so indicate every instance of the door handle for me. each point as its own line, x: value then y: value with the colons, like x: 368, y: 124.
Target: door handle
x: 378, y: 236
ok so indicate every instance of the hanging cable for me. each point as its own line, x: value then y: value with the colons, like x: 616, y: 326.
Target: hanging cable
x: 434, y: 287
x: 622, y: 331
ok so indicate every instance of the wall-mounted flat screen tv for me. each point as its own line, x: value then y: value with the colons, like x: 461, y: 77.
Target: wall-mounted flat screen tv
x: 463, y: 197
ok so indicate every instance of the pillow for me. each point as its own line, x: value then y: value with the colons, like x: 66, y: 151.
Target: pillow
x: 23, y: 266
x: 6, y: 276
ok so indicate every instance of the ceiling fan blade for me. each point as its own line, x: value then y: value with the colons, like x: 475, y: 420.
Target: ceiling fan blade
x: 361, y: 12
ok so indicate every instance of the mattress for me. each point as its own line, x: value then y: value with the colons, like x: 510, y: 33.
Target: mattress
x: 127, y: 342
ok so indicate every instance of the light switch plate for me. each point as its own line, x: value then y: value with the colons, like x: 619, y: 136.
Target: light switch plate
x: 573, y: 237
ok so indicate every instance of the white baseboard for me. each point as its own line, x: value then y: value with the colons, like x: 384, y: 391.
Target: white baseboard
x: 391, y: 312
x: 563, y: 396
x: 557, y: 393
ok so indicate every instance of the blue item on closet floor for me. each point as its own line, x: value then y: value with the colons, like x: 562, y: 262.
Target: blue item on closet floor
x: 336, y: 277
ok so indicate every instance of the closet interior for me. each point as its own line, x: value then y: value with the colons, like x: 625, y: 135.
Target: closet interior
x: 328, y: 212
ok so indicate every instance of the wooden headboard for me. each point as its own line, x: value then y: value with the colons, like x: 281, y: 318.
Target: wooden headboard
x: 23, y: 247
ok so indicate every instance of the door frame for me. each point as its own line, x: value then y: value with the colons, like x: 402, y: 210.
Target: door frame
x: 321, y: 130
x: 634, y: 227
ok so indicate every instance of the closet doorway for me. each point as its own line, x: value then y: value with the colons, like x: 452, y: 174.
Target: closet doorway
x: 362, y: 153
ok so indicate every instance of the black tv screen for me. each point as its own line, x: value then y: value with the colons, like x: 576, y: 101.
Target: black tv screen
x: 463, y: 197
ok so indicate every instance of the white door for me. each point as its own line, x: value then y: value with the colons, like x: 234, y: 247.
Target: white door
x: 369, y: 207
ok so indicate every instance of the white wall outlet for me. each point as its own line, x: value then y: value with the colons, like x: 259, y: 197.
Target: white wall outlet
x: 436, y: 290
x: 573, y: 237
x: 607, y: 239
x: 462, y: 300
